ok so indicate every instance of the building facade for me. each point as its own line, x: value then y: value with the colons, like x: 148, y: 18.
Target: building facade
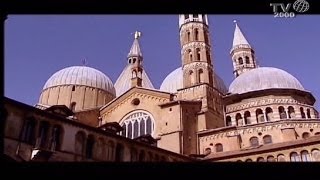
x: 264, y: 115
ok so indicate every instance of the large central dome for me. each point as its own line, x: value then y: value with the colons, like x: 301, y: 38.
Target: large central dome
x: 81, y: 75
x: 174, y: 81
x: 264, y: 78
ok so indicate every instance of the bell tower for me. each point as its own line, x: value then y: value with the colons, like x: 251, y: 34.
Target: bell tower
x: 135, y: 61
x: 198, y: 71
x: 242, y: 53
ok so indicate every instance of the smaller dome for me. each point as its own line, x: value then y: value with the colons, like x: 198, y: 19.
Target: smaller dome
x: 264, y: 78
x: 81, y: 75
x: 174, y: 81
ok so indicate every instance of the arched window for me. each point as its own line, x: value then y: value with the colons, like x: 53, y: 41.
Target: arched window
x: 239, y: 119
x: 240, y: 60
x: 207, y: 151
x: 196, y: 34
x: 142, y: 156
x: 294, y: 157
x: 247, y: 117
x: 249, y: 160
x: 73, y: 88
x: 208, y: 56
x: 303, y: 115
x: 315, y: 154
x: 188, y: 36
x: 254, y: 142
x: 80, y: 143
x: 305, y: 135
x: 192, y: 79
x: 73, y: 106
x: 186, y: 16
x: 28, y: 133
x: 260, y: 159
x: 124, y: 131
x: 270, y: 159
x: 138, y: 123
x: 247, y: 60
x: 198, y: 54
x: 305, y: 156
x: 219, y: 147
x: 281, y: 158
x: 56, y: 137
x: 201, y: 76
x: 267, y: 139
x: 119, y: 153
x: 134, y: 60
x: 269, y: 114
x: 260, y: 116
x: 317, y: 133
x: 190, y: 55
x: 308, y: 113
x: 89, y: 146
x: 291, y: 112
x: 228, y: 121
x: 43, y: 134
x: 282, y: 113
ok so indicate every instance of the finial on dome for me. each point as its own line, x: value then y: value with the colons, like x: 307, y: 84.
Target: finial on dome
x: 137, y: 34
x: 84, y: 61
x: 235, y: 21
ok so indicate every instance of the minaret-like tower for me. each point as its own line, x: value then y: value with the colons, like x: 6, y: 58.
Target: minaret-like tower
x: 195, y: 50
x: 242, y: 54
x: 198, y: 71
x: 135, y: 61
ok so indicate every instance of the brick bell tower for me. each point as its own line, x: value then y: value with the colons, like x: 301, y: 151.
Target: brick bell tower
x: 198, y: 71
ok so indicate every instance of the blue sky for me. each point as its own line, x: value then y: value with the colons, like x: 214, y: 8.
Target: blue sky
x: 36, y: 46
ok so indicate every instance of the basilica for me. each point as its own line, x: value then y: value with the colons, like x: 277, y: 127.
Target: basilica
x: 265, y: 115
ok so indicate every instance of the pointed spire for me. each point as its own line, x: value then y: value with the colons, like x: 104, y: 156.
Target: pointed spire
x: 135, y: 48
x: 238, y: 38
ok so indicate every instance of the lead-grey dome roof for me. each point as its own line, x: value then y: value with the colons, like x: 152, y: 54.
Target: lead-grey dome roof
x: 174, y: 81
x: 81, y: 75
x: 264, y: 78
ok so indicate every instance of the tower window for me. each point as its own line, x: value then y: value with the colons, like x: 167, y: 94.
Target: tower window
x: 219, y: 147
x: 247, y: 60
x: 204, y: 19
x: 134, y: 60
x: 73, y: 106
x: 196, y: 34
x: 201, y: 78
x: 73, y: 88
x: 198, y: 54
x: 208, y: 56
x: 267, y: 139
x: 186, y: 16
x: 188, y: 36
x: 254, y: 142
x: 240, y: 60
x: 190, y: 55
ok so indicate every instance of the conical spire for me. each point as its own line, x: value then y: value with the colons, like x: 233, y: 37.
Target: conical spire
x: 135, y: 48
x: 238, y: 38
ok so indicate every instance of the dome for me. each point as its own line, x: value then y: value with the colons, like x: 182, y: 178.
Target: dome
x: 264, y: 78
x: 174, y: 81
x: 81, y: 75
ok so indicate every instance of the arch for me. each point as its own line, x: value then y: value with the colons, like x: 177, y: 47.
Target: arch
x: 43, y: 134
x: 134, y: 74
x: 134, y: 60
x: 138, y: 123
x: 239, y: 119
x: 247, y: 60
x: 281, y: 158
x: 119, y: 156
x: 188, y: 36
x: 260, y: 159
x: 219, y: 147
x: 271, y: 159
x: 282, y: 112
x: 254, y: 141
x: 294, y: 157
x: 315, y: 154
x: 110, y: 150
x: 190, y: 55
x: 303, y: 115
x: 29, y: 131
x: 267, y: 139
x: 308, y: 113
x: 89, y: 146
x: 247, y: 117
x: 269, y: 114
x: 259, y: 116
x: 305, y: 135
x: 228, y: 121
x: 249, y: 160
x: 317, y: 133
x: 198, y: 54
x: 195, y: 15
x: 305, y: 156
x: 142, y: 156
x: 196, y: 34
x: 56, y: 137
x: 80, y: 143
x: 73, y: 88
x: 208, y: 55
x: 73, y: 106
x: 207, y: 151
x: 291, y: 112
x: 191, y: 76
x: 201, y: 76
x: 240, y: 60
x: 133, y: 155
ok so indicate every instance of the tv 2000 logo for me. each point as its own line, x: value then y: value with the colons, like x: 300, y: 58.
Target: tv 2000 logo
x: 299, y: 6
